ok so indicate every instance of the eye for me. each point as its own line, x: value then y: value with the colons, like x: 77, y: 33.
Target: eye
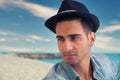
x: 60, y: 39
x: 75, y: 38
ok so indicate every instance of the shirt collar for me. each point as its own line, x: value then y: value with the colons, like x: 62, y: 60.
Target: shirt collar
x: 72, y: 74
x: 96, y: 65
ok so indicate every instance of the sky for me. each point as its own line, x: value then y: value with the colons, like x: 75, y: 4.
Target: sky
x: 22, y: 25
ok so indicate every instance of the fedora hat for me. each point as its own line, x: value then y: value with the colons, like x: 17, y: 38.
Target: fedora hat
x: 70, y: 7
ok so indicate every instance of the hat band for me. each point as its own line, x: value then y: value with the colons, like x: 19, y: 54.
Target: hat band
x: 67, y: 11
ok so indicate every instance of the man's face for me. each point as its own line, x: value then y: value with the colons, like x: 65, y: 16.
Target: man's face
x: 73, y: 43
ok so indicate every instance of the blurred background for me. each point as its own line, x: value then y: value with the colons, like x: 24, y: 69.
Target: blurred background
x: 22, y: 30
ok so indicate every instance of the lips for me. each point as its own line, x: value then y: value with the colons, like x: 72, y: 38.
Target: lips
x: 69, y: 54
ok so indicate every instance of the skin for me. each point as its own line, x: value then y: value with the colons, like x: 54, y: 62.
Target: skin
x: 75, y: 46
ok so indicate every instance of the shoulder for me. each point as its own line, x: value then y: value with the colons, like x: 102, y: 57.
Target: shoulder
x: 104, y: 66
x: 101, y: 59
x: 55, y: 72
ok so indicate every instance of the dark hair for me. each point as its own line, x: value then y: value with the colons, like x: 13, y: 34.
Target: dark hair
x: 87, y: 26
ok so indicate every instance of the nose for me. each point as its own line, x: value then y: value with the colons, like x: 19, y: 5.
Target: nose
x: 67, y: 46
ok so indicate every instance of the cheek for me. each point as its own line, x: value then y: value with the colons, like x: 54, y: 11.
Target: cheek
x: 59, y: 46
x: 82, y: 46
x: 77, y: 47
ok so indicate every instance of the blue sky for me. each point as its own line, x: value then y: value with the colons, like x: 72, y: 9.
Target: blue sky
x: 22, y: 25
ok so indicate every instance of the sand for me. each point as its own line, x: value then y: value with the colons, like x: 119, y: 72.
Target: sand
x: 16, y: 68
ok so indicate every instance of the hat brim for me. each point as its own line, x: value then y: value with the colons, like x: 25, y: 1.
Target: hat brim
x: 51, y: 22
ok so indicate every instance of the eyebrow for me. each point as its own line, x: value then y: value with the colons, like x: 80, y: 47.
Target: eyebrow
x: 71, y: 35
x: 59, y: 36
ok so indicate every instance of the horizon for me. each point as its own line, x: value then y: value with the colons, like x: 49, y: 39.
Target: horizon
x: 45, y: 53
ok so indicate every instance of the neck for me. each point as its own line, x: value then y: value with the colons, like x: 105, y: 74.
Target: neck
x: 84, y: 69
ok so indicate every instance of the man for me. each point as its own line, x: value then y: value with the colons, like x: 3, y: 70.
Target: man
x: 75, y: 29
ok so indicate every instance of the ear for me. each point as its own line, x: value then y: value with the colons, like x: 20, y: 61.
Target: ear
x: 92, y: 37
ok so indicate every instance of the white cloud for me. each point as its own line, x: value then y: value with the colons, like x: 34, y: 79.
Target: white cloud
x: 14, y: 42
x: 117, y: 21
x: 106, y: 43
x: 37, y: 10
x: 6, y: 33
x: 34, y: 38
x: 8, y: 36
x: 2, y: 39
x: 3, y: 33
x: 8, y: 39
x: 110, y: 29
x: 21, y: 49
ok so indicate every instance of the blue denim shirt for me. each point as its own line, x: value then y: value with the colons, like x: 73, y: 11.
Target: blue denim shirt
x: 103, y: 69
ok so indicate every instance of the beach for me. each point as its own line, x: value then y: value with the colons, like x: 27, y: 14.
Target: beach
x: 16, y: 68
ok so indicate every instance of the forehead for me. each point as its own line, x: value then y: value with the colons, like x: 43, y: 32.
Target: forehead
x: 69, y: 27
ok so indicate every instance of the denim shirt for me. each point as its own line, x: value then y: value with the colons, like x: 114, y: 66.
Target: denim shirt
x: 103, y: 69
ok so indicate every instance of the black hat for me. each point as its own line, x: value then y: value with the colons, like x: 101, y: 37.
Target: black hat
x: 70, y: 7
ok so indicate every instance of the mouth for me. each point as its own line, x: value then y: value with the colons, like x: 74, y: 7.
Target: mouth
x: 70, y: 55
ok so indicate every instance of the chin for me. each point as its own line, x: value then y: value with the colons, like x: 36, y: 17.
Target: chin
x: 71, y: 62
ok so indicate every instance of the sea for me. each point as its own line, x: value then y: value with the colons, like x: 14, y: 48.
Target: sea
x: 114, y: 57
